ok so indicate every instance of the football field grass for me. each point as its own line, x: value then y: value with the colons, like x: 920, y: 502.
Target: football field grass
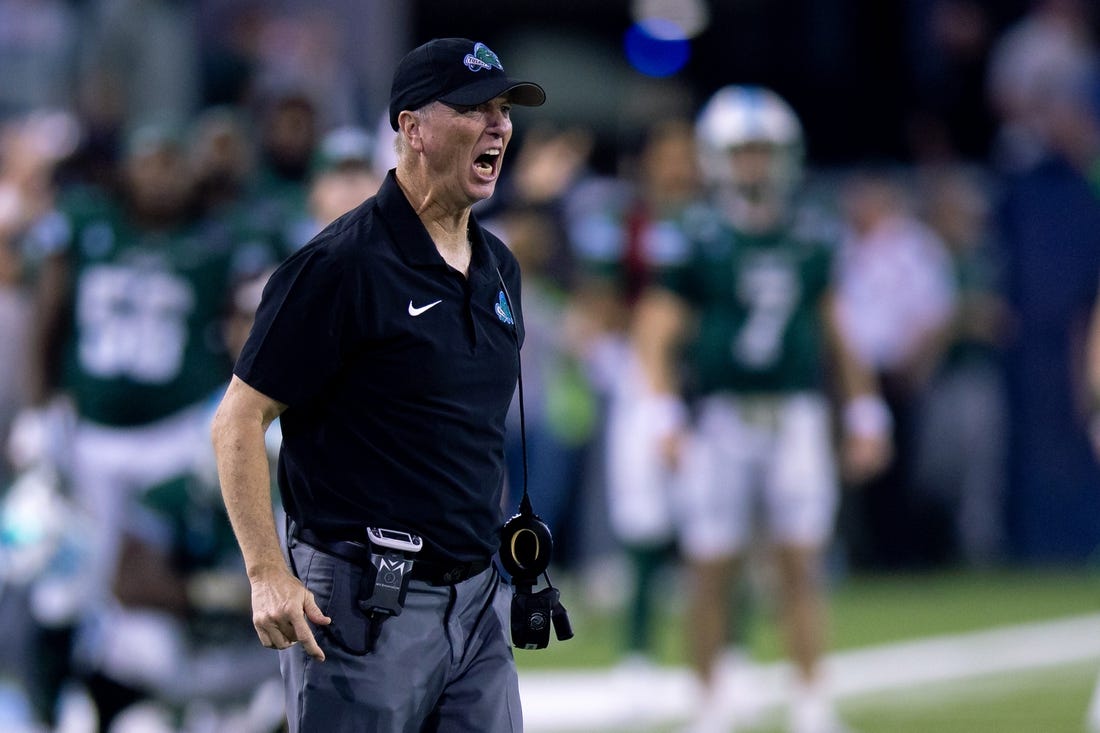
x: 940, y: 610
x: 1050, y: 700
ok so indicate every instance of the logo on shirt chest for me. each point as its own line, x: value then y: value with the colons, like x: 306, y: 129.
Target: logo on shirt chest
x: 415, y: 311
x: 504, y: 313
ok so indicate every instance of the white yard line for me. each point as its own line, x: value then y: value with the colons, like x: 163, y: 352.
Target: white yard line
x: 592, y: 700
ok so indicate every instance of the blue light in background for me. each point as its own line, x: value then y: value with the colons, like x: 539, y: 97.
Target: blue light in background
x: 656, y: 56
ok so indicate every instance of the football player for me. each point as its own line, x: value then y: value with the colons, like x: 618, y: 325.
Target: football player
x: 752, y: 309
x: 132, y: 294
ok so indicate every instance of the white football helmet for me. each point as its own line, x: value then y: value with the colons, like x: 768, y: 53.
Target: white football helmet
x: 739, y: 116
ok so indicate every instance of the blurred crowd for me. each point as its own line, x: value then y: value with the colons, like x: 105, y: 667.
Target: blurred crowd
x: 142, y: 207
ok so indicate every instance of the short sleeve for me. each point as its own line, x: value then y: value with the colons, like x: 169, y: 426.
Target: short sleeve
x: 302, y: 330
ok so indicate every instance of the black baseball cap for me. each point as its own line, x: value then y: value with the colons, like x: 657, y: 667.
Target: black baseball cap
x: 455, y: 70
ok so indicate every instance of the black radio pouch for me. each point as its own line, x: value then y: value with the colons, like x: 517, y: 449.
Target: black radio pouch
x: 385, y: 583
x: 364, y: 592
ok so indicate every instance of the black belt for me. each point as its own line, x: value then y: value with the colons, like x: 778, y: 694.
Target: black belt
x: 358, y: 553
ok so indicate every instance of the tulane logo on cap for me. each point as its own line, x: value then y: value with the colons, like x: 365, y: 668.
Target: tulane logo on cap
x: 503, y: 312
x: 482, y: 58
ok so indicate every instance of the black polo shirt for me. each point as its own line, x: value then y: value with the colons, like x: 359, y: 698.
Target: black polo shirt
x: 397, y: 372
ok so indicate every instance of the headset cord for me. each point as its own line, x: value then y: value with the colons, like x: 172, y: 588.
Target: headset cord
x: 559, y: 614
x: 525, y: 507
x: 525, y: 502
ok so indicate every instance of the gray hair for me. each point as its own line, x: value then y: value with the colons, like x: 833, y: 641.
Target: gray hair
x: 400, y: 145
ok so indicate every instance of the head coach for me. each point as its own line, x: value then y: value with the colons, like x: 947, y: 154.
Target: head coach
x: 387, y: 347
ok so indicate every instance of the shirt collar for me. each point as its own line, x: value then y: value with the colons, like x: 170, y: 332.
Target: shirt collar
x: 413, y: 242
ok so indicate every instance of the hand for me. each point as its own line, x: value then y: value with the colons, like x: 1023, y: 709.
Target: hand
x: 41, y: 434
x: 281, y: 606
x: 671, y: 448
x: 864, y: 456
x: 28, y: 438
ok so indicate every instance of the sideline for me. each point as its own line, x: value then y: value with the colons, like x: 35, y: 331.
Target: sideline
x: 618, y: 698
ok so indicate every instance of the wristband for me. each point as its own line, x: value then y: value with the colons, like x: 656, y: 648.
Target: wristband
x: 669, y: 413
x: 867, y: 416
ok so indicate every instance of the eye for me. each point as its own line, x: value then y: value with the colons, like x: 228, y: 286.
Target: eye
x: 462, y: 109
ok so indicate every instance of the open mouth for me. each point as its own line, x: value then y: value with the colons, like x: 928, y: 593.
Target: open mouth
x: 486, y: 163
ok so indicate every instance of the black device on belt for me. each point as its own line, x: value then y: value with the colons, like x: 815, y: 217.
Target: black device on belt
x: 388, y: 561
x: 392, y: 556
x: 359, y: 553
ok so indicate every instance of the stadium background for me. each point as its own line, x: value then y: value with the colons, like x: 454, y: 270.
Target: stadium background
x: 900, y: 83
x: 859, y: 72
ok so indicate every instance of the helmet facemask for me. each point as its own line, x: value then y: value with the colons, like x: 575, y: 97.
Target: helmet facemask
x: 751, y: 153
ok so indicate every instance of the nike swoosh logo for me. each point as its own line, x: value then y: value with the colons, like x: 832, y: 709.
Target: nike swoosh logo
x: 414, y: 311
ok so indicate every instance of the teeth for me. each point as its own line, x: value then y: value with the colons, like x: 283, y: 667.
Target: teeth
x: 483, y: 162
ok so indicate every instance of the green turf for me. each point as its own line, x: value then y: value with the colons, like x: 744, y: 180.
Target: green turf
x: 874, y: 610
x: 865, y: 611
x: 871, y: 610
x: 1041, y: 701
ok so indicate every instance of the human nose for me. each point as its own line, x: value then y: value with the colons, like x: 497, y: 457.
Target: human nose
x: 498, y: 120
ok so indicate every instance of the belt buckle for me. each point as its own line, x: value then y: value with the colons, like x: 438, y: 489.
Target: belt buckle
x: 395, y: 539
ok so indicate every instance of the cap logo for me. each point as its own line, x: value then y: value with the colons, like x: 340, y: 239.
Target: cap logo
x: 482, y: 58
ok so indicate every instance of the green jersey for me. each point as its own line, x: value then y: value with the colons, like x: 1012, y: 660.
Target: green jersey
x: 758, y: 301
x: 144, y: 332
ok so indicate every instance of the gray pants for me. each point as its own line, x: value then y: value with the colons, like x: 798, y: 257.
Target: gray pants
x: 444, y: 665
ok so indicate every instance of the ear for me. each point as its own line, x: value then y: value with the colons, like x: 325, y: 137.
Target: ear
x: 408, y: 124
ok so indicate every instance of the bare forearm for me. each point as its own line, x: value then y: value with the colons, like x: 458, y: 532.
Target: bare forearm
x: 660, y: 322
x: 49, y: 300
x: 238, y: 435
x: 281, y: 606
x: 853, y: 379
x: 246, y: 491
